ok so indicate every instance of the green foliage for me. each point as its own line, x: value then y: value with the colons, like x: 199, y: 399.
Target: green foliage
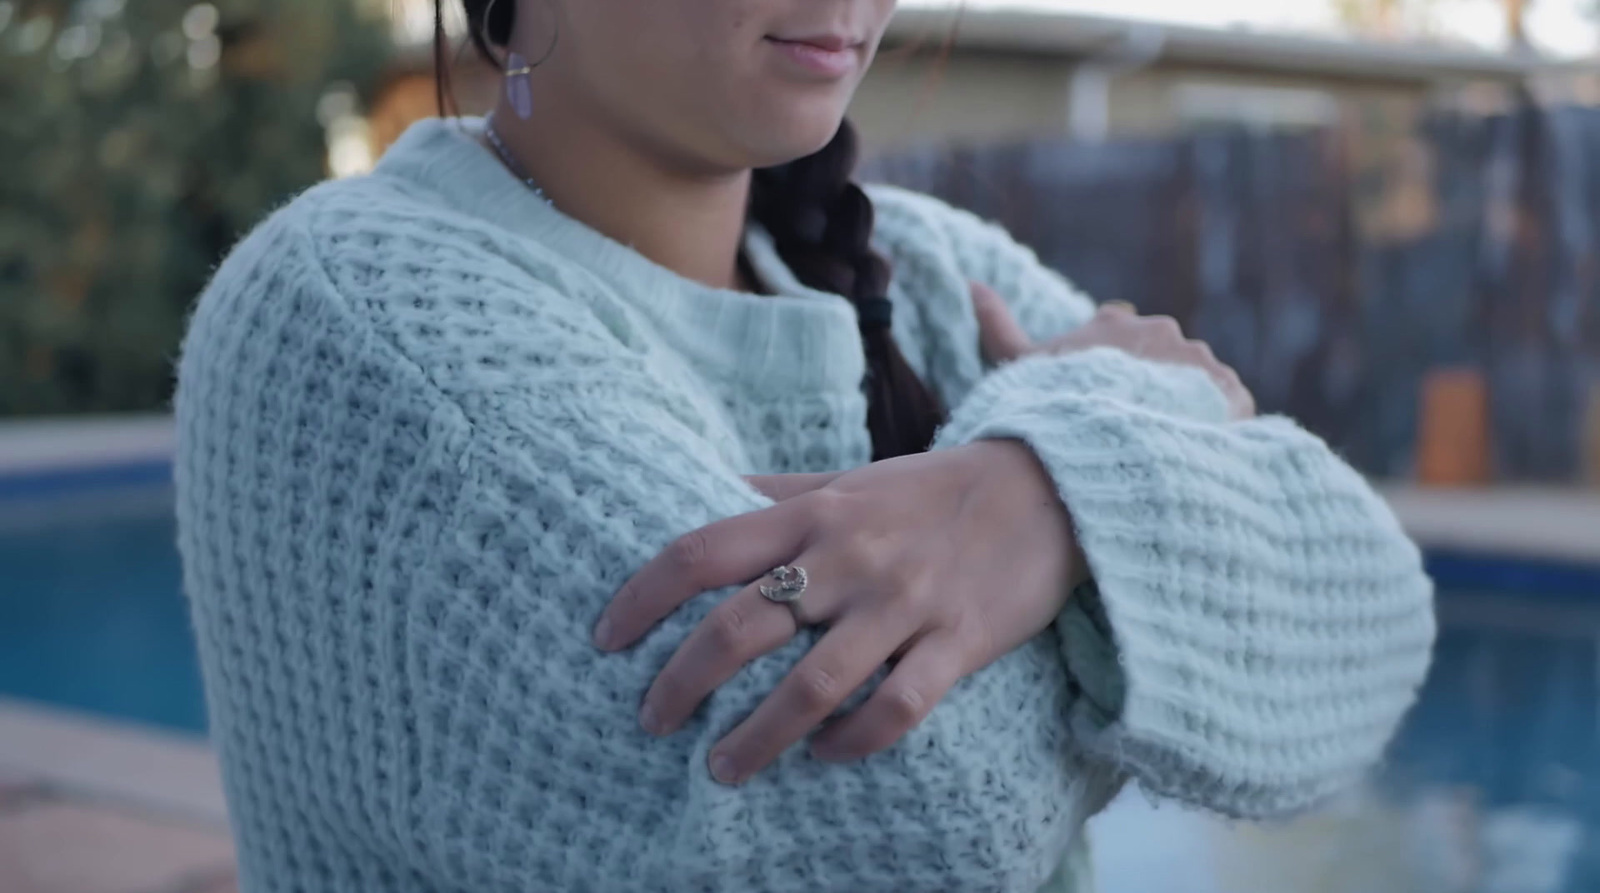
x: 137, y: 143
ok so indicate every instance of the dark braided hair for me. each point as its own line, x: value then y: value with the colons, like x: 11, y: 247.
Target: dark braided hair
x: 821, y: 222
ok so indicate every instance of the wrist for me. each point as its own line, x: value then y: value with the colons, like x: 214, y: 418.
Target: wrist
x: 1009, y: 466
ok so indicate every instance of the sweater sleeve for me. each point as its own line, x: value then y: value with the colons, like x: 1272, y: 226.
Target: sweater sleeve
x: 1272, y: 622
x: 1259, y: 623
x: 407, y: 498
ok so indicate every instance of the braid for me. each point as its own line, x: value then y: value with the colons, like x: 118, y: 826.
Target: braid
x: 821, y: 222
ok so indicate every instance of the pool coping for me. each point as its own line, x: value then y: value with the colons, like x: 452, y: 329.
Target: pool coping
x: 49, y: 458
x: 42, y: 446
x: 112, y: 761
x: 1537, y: 523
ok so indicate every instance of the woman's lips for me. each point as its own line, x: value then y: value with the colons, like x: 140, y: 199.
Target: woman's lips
x: 825, y: 57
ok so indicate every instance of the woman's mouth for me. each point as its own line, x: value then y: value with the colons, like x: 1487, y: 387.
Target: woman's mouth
x: 824, y: 56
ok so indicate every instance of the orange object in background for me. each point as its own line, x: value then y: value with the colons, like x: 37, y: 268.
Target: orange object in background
x: 1453, y: 430
x: 1591, y: 437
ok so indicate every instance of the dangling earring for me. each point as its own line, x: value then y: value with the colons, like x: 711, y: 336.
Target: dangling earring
x: 519, y: 87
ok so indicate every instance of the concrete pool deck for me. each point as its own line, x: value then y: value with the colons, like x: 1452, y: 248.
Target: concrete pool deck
x: 89, y: 806
x: 94, y: 806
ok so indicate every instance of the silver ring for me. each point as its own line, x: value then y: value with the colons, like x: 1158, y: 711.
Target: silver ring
x: 791, y: 585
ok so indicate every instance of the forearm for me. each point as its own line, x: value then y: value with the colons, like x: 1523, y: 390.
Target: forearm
x: 1271, y: 622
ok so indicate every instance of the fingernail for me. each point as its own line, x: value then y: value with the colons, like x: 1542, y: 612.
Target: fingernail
x: 650, y: 719
x: 602, y: 634
x: 724, y: 770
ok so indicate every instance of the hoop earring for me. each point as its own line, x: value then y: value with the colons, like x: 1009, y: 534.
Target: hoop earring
x: 519, y: 86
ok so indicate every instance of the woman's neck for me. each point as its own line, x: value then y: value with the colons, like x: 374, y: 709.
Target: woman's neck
x: 692, y: 225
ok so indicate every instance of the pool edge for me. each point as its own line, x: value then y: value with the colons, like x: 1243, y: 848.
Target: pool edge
x: 114, y: 761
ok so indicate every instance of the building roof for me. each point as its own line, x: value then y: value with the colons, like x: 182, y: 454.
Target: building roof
x: 1076, y: 35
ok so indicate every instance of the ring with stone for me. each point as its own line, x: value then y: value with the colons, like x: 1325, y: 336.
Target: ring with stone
x: 791, y: 584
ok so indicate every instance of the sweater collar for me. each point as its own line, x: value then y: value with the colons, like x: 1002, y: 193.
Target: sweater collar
x: 797, y: 339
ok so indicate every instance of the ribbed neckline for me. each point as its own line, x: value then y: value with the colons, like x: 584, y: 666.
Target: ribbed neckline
x: 795, y: 339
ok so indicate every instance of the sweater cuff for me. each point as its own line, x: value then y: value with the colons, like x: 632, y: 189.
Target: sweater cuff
x: 1104, y: 373
x: 1086, y: 417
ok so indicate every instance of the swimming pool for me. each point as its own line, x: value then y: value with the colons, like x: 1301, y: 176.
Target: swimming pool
x: 1493, y: 785
x: 92, y: 615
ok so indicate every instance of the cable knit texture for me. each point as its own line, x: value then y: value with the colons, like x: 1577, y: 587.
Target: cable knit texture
x: 428, y: 425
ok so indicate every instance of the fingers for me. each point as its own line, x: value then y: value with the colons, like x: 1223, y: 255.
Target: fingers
x: 839, y: 664
x: 1241, y: 403
x: 779, y: 487
x: 728, y: 552
x: 1158, y: 335
x: 1160, y: 338
x: 1000, y: 337
x: 922, y: 678
x: 738, y: 631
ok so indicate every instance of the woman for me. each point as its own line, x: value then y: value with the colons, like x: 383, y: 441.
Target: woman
x: 435, y: 418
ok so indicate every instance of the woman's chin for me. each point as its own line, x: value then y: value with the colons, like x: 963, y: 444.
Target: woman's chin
x: 796, y: 136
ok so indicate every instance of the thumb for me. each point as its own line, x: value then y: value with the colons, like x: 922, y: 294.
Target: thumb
x: 779, y: 487
x: 1000, y: 336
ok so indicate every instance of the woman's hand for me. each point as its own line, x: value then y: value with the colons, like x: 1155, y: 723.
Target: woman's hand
x: 1156, y: 338
x: 938, y: 563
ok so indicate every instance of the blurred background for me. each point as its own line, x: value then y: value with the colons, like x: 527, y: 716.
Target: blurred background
x: 1384, y: 213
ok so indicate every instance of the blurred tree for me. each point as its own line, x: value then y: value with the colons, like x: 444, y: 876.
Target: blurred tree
x: 136, y: 144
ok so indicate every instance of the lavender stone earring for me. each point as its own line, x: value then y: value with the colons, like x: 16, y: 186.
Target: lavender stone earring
x: 518, y: 87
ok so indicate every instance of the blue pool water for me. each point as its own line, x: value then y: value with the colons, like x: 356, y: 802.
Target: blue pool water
x: 92, y: 617
x: 1506, y: 736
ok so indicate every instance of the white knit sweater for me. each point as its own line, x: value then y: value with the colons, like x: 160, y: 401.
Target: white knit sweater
x: 429, y: 425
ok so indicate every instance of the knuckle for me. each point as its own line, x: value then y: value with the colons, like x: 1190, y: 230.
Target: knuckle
x: 1166, y: 325
x: 825, y: 506
x: 816, y: 689
x: 977, y: 640
x: 903, y: 587
x: 905, y: 706
x: 727, y: 629
x: 1115, y: 321
x: 861, y: 559
x: 1189, y: 353
x: 688, y: 553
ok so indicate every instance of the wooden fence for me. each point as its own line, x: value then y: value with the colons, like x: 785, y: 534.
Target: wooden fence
x: 1338, y: 270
